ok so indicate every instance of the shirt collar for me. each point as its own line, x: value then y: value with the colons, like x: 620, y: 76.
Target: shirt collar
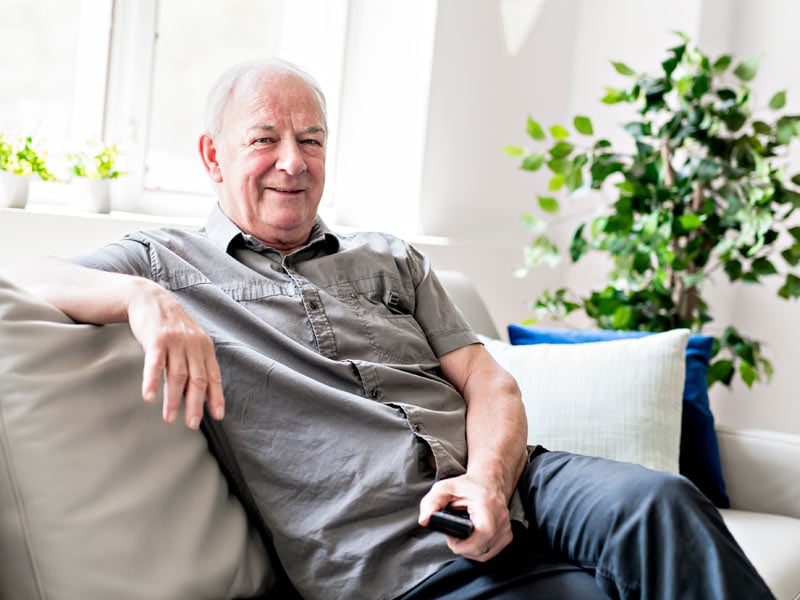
x: 223, y: 233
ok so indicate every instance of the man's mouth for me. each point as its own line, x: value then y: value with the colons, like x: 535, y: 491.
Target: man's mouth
x: 284, y: 190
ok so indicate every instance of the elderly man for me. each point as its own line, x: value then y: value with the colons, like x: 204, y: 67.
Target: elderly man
x: 356, y: 400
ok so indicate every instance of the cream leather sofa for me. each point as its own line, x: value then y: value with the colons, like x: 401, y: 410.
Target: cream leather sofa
x: 100, y: 499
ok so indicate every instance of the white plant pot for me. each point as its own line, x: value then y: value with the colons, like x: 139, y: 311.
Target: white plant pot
x: 14, y: 190
x: 91, y: 195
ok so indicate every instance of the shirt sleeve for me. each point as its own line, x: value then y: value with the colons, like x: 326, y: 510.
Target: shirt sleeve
x: 128, y: 256
x: 438, y: 316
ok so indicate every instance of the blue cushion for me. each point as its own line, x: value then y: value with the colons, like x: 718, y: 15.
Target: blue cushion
x: 699, y: 455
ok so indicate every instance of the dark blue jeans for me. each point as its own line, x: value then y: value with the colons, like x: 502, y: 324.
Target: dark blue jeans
x: 602, y: 529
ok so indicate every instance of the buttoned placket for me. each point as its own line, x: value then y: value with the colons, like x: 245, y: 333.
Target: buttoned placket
x: 315, y: 310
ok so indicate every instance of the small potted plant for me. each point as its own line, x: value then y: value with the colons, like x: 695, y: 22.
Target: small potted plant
x: 91, y: 171
x: 20, y: 161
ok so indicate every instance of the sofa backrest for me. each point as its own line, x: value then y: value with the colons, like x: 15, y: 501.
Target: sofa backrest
x: 99, y: 498
x: 466, y: 297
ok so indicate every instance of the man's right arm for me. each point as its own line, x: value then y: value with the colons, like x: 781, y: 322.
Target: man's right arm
x: 177, y: 350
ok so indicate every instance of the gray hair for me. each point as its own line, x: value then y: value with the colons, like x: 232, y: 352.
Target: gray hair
x: 227, y: 82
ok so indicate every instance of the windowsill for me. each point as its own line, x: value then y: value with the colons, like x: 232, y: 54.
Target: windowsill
x: 132, y: 221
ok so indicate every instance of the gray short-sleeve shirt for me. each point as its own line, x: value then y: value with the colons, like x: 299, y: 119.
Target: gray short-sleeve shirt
x: 336, y: 407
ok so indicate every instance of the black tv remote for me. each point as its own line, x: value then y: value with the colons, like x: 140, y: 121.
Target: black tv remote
x: 452, y: 522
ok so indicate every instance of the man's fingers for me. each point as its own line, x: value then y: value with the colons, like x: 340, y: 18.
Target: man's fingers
x: 174, y: 386
x: 216, y: 399
x: 437, y: 498
x: 191, y: 376
x: 198, y: 383
x: 152, y: 374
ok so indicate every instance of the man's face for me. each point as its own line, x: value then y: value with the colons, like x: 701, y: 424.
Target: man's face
x: 269, y: 159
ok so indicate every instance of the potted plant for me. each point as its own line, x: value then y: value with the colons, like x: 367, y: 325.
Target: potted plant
x: 19, y: 162
x: 700, y: 190
x: 91, y: 171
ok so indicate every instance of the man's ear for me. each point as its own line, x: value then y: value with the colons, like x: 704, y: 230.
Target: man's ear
x: 208, y: 154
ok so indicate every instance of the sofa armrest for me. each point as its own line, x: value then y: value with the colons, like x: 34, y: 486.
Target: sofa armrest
x: 761, y: 470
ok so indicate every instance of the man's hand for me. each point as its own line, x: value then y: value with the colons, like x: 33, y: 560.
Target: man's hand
x: 177, y: 351
x: 487, y: 511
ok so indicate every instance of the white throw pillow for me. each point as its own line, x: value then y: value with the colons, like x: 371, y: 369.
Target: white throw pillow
x: 619, y: 399
x: 99, y: 498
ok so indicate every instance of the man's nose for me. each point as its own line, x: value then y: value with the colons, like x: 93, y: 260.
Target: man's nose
x: 290, y: 157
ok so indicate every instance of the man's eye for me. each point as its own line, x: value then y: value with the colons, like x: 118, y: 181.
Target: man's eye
x: 311, y: 141
x: 263, y: 140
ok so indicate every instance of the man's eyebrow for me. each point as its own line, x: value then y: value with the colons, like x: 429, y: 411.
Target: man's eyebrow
x: 313, y: 129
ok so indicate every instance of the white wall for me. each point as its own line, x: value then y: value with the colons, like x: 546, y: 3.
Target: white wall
x: 468, y: 192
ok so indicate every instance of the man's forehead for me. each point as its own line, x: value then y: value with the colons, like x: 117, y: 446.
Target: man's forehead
x: 272, y: 103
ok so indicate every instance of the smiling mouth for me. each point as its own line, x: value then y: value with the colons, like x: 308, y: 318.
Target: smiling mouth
x: 283, y: 190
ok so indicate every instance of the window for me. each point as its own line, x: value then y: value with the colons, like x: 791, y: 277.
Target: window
x: 53, y: 69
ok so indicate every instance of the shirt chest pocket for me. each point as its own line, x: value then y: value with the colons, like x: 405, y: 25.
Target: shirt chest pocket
x: 384, y: 320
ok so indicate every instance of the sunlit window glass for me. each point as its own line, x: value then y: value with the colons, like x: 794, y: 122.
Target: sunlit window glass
x: 37, y: 71
x: 196, y: 42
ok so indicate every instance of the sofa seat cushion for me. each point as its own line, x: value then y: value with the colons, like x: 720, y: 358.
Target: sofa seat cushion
x: 99, y: 498
x: 772, y: 543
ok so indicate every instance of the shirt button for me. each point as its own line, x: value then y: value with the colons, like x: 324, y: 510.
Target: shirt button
x: 374, y: 393
x: 313, y: 305
x: 416, y: 427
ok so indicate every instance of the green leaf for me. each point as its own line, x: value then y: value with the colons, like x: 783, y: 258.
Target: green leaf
x: 746, y: 71
x: 700, y: 85
x: 778, y: 100
x: 790, y: 289
x: 623, y: 315
x: 748, y: 373
x: 733, y: 268
x: 559, y: 165
x: 583, y: 125
x: 535, y: 130
x: 762, y: 128
x: 574, y: 177
x: 548, y: 204
x: 763, y: 266
x: 578, y: 246
x: 792, y: 255
x: 561, y: 149
x: 623, y: 69
x: 722, y: 371
x: 641, y: 262
x: 785, y: 130
x: 556, y: 182
x: 691, y: 221
x: 559, y: 132
x: 514, y: 151
x: 533, y: 162
x: 795, y: 233
x: 614, y: 96
x: 722, y: 63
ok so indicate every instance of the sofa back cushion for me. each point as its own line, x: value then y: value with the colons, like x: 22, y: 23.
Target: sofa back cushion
x: 99, y: 498
x: 618, y: 399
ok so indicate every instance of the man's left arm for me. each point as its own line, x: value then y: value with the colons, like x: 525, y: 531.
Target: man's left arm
x: 496, y: 430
